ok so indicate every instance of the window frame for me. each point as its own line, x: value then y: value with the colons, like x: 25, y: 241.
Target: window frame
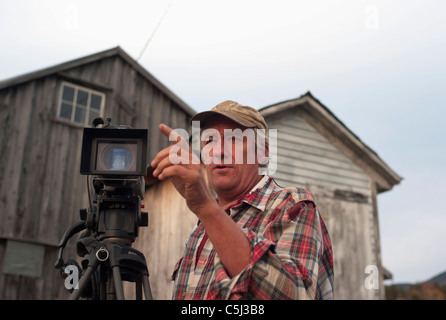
x: 87, y: 108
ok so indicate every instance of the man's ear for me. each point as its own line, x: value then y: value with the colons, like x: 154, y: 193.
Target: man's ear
x: 263, y: 154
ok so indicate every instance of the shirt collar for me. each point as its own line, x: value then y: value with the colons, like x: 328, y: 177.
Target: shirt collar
x: 260, y: 183
x: 256, y: 197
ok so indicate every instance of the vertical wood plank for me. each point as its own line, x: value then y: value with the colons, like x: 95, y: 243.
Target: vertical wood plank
x: 10, y: 188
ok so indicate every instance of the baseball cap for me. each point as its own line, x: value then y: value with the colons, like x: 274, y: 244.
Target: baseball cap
x: 243, y: 115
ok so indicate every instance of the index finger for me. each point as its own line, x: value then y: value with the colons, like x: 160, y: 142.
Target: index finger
x: 166, y: 130
x: 172, y: 134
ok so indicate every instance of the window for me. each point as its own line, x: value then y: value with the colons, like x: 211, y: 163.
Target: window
x: 24, y: 258
x: 79, y: 104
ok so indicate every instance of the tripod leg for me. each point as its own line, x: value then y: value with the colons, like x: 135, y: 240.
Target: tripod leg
x: 146, y: 286
x: 138, y: 290
x: 118, y: 283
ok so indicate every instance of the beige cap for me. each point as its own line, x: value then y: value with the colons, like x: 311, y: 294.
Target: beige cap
x: 243, y: 115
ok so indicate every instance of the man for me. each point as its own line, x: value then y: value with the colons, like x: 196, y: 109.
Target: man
x: 255, y: 240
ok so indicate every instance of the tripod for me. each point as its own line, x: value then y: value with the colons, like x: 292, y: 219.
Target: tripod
x: 115, y: 262
x: 108, y: 259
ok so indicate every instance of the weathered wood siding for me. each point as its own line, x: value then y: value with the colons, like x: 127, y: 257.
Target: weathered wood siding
x: 350, y: 222
x: 306, y: 157
x: 41, y: 189
x: 39, y: 165
x: 343, y: 193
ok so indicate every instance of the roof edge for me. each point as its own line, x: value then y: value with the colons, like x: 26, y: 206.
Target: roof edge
x: 309, y: 100
x: 135, y: 64
x: 92, y: 58
x: 57, y: 68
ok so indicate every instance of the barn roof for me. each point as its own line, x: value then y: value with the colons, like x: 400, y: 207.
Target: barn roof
x: 334, y: 127
x: 117, y: 51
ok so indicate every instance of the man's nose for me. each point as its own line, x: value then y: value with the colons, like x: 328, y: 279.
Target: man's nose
x: 224, y: 153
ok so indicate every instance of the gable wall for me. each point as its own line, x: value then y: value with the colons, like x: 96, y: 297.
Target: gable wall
x: 344, y: 195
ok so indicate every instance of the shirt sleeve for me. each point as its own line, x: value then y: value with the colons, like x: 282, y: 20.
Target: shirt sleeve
x: 285, y: 259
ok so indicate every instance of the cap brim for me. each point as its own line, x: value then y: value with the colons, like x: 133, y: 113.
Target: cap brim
x: 204, y: 116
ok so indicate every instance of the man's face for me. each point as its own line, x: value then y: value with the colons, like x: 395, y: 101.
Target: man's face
x: 223, y: 151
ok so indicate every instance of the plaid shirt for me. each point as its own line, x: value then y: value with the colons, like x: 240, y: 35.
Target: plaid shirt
x: 291, y: 253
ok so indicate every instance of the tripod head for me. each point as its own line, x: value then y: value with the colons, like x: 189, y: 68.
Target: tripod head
x: 116, y: 211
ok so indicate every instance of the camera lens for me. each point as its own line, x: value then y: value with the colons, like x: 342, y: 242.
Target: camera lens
x: 112, y: 156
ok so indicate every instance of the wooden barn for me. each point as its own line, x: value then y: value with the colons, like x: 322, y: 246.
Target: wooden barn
x: 42, y: 115
x: 318, y: 152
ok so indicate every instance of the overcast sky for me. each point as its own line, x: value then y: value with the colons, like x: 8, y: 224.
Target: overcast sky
x: 379, y: 66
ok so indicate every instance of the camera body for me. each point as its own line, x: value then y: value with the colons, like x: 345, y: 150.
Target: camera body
x: 115, y: 157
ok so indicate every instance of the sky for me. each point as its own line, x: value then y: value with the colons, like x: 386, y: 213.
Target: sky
x: 379, y: 66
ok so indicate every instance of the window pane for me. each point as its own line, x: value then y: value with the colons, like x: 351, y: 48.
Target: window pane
x: 79, y: 115
x: 65, y: 110
x: 82, y: 97
x: 93, y: 115
x: 95, y: 102
x: 68, y: 93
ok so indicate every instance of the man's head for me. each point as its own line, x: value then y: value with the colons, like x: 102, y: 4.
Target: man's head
x: 230, y: 146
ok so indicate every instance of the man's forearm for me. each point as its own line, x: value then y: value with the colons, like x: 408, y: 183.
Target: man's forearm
x: 229, y: 241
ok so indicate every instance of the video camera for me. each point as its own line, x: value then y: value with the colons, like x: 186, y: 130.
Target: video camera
x: 115, y: 160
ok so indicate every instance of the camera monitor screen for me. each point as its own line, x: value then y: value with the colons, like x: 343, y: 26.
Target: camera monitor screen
x: 114, y: 152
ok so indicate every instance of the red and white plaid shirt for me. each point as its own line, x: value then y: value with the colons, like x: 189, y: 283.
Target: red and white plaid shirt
x: 291, y: 253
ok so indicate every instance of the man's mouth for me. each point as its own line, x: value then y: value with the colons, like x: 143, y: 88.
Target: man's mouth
x: 221, y: 167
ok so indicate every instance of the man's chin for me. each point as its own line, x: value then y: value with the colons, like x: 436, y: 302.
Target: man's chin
x: 223, y: 183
